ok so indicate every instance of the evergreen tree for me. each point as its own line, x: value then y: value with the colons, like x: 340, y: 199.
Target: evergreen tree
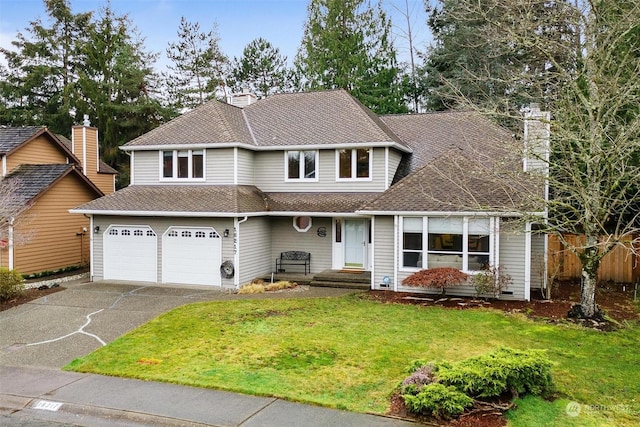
x: 467, y: 65
x: 347, y: 44
x: 261, y: 69
x: 197, y: 69
x: 116, y: 84
x: 39, y: 86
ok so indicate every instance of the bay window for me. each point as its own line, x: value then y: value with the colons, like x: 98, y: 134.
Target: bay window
x: 459, y: 242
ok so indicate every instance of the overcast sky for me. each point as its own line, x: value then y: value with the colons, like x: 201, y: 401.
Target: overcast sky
x: 239, y: 21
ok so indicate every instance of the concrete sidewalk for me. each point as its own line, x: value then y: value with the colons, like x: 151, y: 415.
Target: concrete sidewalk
x: 40, y: 337
x: 70, y: 398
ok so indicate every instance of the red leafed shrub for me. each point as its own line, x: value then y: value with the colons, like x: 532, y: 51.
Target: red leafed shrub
x: 439, y: 278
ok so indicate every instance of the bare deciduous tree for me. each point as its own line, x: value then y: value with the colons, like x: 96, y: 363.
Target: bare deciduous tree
x: 595, y: 124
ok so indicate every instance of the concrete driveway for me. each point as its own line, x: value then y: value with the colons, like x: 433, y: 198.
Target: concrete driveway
x: 58, y: 328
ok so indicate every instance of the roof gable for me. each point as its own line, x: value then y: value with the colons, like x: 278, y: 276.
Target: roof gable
x: 211, y: 122
x: 32, y: 181
x: 312, y: 118
x: 12, y: 138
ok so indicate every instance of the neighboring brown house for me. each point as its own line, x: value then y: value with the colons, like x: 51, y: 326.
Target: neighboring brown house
x: 50, y: 175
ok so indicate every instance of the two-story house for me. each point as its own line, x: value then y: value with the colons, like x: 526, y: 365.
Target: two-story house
x: 315, y: 172
x: 43, y: 176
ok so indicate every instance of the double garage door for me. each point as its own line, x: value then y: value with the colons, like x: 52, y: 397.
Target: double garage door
x: 190, y: 255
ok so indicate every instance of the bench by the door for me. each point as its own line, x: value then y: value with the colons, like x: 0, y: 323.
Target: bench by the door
x: 294, y: 258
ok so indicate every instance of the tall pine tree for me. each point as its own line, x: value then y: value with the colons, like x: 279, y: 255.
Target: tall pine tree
x: 347, y: 44
x: 262, y: 69
x: 197, y: 68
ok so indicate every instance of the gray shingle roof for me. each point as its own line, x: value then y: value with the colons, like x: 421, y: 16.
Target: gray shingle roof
x: 462, y: 182
x: 31, y: 180
x: 318, y: 202
x: 180, y: 199
x: 235, y: 199
x: 12, y: 137
x: 326, y: 117
x: 212, y: 122
x: 432, y: 134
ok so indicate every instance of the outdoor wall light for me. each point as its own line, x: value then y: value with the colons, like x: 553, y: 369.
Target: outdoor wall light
x: 96, y: 229
x: 226, y: 232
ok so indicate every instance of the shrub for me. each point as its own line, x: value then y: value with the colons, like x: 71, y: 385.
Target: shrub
x: 260, y: 287
x: 11, y: 284
x: 438, y: 278
x: 490, y: 282
x: 438, y: 400
x: 505, y: 370
x: 420, y: 377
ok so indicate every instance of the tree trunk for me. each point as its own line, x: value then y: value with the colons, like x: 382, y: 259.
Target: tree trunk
x: 588, y: 294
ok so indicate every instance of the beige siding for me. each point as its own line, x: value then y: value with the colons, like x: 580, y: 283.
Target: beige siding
x: 159, y: 226
x: 270, y: 175
x: 286, y: 238
x: 538, y: 269
x: 105, y: 182
x: 384, y: 245
x: 394, y: 161
x: 52, y: 232
x: 220, y: 168
x: 512, y: 258
x: 146, y: 167
x: 40, y: 151
x: 246, y: 167
x: 255, y: 249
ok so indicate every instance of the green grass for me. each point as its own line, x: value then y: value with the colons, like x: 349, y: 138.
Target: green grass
x: 351, y: 353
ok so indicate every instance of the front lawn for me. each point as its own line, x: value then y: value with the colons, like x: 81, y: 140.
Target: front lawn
x: 351, y: 353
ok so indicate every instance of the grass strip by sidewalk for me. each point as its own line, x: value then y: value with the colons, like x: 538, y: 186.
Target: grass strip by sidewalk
x: 350, y: 352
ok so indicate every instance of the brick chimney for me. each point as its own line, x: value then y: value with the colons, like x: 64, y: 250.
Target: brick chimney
x: 537, y: 132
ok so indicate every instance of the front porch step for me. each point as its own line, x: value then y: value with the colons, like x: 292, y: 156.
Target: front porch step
x: 343, y: 279
x: 342, y: 285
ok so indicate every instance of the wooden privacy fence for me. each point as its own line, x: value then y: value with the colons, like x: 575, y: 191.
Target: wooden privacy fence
x: 620, y: 265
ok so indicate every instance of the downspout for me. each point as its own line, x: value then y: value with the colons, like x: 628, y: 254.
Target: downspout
x: 395, y: 253
x: 236, y: 250
x: 91, y: 232
x: 10, y: 247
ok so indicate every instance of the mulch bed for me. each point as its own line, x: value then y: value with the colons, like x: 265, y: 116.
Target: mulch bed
x: 615, y: 300
x: 28, y: 295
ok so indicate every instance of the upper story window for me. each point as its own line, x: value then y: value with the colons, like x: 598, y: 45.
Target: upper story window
x: 354, y: 163
x: 462, y: 243
x: 301, y: 165
x: 183, y: 164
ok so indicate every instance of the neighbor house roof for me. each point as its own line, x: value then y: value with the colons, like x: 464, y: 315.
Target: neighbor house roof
x: 31, y: 181
x: 13, y: 137
x: 213, y: 122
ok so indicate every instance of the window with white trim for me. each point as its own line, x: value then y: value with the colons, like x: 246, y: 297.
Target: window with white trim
x: 182, y: 164
x: 458, y: 242
x: 302, y: 223
x: 353, y: 163
x: 301, y: 165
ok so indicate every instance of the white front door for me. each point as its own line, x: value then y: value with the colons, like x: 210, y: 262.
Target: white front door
x: 355, y: 244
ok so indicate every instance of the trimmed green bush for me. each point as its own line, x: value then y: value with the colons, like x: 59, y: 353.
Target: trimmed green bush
x: 438, y: 400
x: 11, y: 284
x: 504, y: 370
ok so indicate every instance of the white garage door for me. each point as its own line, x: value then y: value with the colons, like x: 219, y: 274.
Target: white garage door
x: 191, y: 255
x: 130, y: 253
